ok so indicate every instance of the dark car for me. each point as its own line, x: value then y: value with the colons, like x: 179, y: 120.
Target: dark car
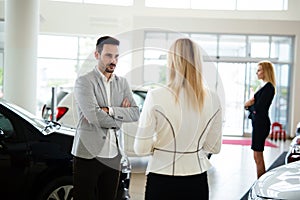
x: 35, y: 159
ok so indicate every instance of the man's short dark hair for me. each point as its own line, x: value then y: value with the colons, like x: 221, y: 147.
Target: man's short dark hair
x: 106, y: 40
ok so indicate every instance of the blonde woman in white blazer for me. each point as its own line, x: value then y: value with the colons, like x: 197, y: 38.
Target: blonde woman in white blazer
x: 180, y: 123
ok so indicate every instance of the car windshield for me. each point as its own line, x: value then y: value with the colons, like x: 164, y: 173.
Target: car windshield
x: 39, y: 123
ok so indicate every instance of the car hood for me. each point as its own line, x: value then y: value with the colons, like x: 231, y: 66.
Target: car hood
x: 66, y: 131
x: 280, y: 183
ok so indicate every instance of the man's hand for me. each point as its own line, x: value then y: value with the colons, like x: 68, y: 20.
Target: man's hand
x: 105, y: 109
x: 126, y: 103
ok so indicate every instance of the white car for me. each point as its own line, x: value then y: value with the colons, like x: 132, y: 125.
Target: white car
x: 66, y: 110
x: 66, y: 115
x: 280, y: 183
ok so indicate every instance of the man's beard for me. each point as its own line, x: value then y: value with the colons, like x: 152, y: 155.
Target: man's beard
x: 108, y: 69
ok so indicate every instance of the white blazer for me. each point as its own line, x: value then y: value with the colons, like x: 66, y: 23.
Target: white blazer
x: 177, y: 136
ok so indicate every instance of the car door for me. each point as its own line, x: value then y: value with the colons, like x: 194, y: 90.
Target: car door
x: 14, y: 163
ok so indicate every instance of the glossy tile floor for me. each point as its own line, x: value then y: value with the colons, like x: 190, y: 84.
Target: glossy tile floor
x: 232, y: 174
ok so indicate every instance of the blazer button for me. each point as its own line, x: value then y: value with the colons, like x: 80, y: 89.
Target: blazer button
x: 103, y: 137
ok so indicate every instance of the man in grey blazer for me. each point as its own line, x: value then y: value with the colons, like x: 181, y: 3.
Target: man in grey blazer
x: 104, y: 101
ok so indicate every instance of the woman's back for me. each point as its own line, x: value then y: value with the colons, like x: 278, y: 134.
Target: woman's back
x: 180, y: 131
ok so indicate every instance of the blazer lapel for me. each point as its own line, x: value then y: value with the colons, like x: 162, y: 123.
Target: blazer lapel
x: 102, y: 91
x: 116, y: 93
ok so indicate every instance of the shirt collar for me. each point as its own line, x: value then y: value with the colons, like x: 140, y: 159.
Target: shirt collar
x: 104, y: 77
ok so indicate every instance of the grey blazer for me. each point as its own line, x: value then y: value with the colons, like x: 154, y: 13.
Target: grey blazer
x: 93, y: 123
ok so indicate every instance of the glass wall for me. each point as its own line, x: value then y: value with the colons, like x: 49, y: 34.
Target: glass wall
x: 58, y: 61
x: 220, y: 4
x: 62, y: 58
x: 234, y: 59
x: 104, y: 2
x: 198, y: 4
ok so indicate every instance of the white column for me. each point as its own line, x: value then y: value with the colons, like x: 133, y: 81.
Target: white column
x: 20, y: 52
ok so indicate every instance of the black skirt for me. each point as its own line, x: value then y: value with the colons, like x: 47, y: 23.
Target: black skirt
x: 162, y: 187
x: 260, y: 132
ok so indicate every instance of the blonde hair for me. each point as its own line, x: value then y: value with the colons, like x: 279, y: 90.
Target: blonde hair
x: 269, y: 73
x: 185, y: 64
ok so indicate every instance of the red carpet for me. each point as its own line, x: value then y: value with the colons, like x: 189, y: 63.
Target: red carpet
x: 245, y: 141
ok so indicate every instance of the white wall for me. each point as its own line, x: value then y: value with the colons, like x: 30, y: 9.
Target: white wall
x: 80, y: 19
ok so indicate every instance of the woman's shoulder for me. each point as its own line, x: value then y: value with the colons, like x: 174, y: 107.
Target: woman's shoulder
x: 212, y: 98
x: 159, y: 90
x: 160, y: 95
x: 269, y: 85
x: 211, y: 94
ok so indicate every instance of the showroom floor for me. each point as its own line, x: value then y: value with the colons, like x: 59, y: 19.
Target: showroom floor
x: 231, y: 176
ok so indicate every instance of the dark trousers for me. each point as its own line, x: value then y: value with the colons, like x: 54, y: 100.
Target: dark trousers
x: 95, y: 179
x: 162, y: 187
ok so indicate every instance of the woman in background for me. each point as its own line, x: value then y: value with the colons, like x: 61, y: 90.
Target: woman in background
x: 258, y: 107
x: 180, y: 123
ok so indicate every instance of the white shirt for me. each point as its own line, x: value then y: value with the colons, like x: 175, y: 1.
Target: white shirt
x: 110, y: 148
x: 195, y: 133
